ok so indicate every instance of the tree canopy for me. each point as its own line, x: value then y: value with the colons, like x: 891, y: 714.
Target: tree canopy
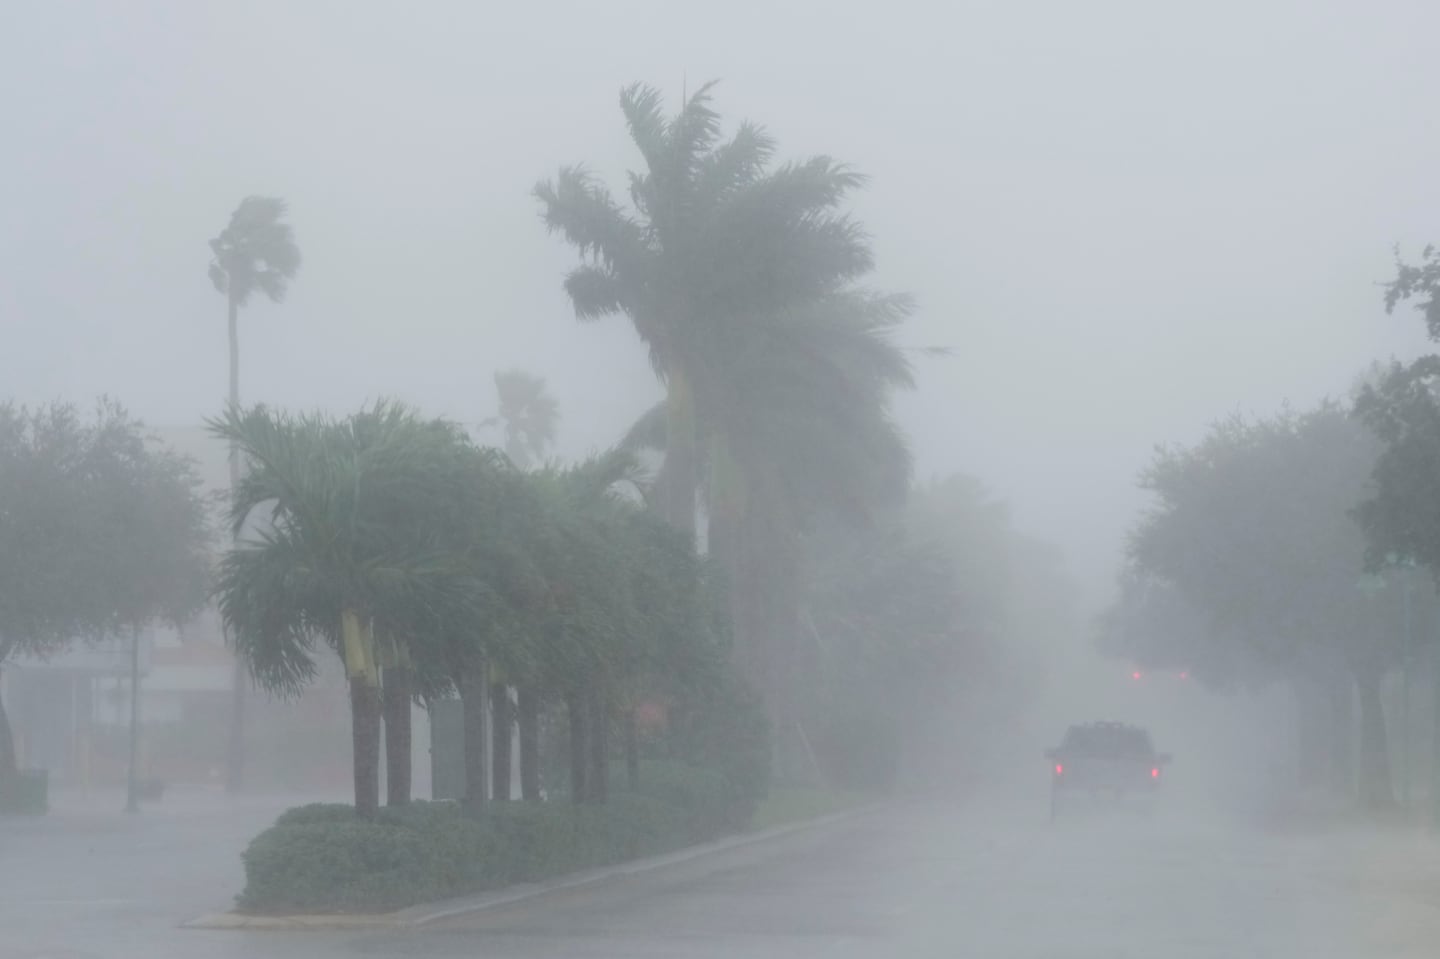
x: 101, y: 530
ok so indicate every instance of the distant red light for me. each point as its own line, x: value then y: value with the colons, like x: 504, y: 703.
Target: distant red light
x: 1155, y: 772
x: 1059, y: 769
x: 1185, y: 674
x: 1135, y: 675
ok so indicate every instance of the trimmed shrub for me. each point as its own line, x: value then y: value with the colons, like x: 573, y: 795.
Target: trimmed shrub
x: 317, y: 812
x: 321, y: 858
x: 358, y: 866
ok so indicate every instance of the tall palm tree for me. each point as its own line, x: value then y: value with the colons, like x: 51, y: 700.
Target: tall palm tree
x: 716, y: 233
x: 256, y: 252
x: 350, y: 550
x: 739, y: 277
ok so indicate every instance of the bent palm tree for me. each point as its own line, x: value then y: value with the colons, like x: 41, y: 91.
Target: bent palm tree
x: 256, y: 252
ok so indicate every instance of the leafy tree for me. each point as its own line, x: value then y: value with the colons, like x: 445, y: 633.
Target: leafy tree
x: 255, y: 253
x: 100, y: 531
x: 1402, y: 405
x: 1153, y: 625
x: 1254, y: 526
x: 1420, y: 284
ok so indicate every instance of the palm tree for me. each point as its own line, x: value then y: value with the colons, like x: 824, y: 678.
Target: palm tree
x: 349, y: 551
x: 528, y: 414
x: 778, y: 370
x: 716, y: 234
x: 255, y: 252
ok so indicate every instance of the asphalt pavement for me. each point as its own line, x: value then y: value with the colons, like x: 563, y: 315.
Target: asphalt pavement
x: 935, y: 879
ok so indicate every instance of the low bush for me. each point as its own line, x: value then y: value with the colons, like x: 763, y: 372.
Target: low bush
x: 357, y: 866
x: 321, y: 858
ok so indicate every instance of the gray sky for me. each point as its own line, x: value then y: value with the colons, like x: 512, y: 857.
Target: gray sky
x: 1127, y: 219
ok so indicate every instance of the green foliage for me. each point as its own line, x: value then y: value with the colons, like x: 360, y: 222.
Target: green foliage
x: 740, y: 275
x: 359, y: 866
x: 709, y: 803
x: 1402, y: 516
x: 725, y: 728
x: 528, y: 414
x: 350, y: 516
x: 1420, y: 283
x: 101, y: 529
x: 322, y: 858
x: 255, y: 252
x: 1254, y: 527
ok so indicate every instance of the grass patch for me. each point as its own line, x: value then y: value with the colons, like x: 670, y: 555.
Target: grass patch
x: 791, y: 804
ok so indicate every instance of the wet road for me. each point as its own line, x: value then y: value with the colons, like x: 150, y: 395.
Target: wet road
x: 911, y: 881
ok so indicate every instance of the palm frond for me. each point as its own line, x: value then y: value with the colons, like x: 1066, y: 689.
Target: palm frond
x: 692, y: 135
x: 255, y: 251
x: 649, y: 432
x: 645, y: 118
x: 579, y: 207
x: 595, y: 291
x: 734, y: 165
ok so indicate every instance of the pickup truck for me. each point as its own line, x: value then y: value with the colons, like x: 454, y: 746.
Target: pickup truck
x: 1110, y: 760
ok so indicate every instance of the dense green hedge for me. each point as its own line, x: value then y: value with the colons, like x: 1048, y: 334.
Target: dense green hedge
x: 320, y: 858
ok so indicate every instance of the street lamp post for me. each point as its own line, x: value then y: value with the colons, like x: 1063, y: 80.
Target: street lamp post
x: 1405, y: 692
x: 132, y: 782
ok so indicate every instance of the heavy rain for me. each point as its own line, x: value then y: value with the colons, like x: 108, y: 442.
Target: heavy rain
x: 782, y: 479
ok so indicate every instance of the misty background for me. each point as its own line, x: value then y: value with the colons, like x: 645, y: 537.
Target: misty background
x: 1125, y: 219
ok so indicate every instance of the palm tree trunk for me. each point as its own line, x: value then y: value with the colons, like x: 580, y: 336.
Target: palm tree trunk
x: 679, y: 475
x: 365, y: 739
x: 501, y: 731
x: 599, y: 776
x: 579, y: 754
x: 398, y: 687
x: 632, y: 750
x: 235, y: 748
x: 472, y: 707
x: 528, y: 716
x: 1376, y: 790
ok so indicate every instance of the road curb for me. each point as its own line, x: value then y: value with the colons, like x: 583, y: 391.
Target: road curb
x: 426, y: 913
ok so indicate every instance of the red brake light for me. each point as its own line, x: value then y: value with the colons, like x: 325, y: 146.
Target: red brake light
x: 1155, y: 772
x: 1135, y: 675
x: 1059, y: 769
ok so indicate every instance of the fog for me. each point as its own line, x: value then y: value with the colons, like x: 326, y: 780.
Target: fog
x: 1126, y: 221
x: 1121, y: 222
